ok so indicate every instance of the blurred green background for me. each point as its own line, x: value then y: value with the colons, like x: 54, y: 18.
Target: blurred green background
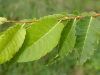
x: 28, y: 9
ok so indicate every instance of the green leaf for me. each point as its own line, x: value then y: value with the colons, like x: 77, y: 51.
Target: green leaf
x: 67, y: 40
x: 63, y: 13
x: 57, y: 16
x: 87, y: 32
x: 68, y: 15
x: 95, y: 58
x: 76, y: 13
x: 88, y: 14
x: 40, y: 39
x: 54, y: 60
x: 2, y: 19
x: 1, y: 33
x: 10, y: 42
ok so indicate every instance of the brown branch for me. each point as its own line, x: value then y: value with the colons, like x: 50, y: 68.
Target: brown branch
x: 58, y: 19
x: 17, y: 22
x: 78, y: 17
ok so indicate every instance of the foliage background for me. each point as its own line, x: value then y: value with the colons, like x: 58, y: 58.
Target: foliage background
x: 28, y: 9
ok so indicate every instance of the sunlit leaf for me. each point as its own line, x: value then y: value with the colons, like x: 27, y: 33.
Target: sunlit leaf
x: 10, y: 42
x: 40, y: 39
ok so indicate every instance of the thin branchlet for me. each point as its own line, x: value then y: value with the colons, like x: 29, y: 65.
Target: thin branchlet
x: 68, y: 18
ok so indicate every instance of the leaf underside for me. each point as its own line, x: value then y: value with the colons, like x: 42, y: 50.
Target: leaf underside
x: 40, y: 39
x: 87, y: 32
x: 10, y: 42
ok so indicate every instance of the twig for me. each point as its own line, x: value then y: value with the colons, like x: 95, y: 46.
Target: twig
x: 58, y: 19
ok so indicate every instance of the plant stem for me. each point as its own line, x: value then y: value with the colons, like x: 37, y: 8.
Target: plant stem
x: 58, y: 19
